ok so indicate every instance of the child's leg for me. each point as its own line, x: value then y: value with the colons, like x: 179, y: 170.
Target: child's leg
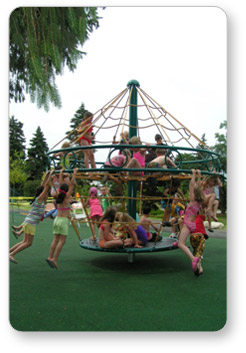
x: 91, y: 158
x: 93, y: 228
x: 61, y: 242
x: 53, y: 246
x: 133, y: 163
x: 113, y: 244
x: 17, y: 245
x: 86, y: 153
x: 181, y: 242
x: 215, y: 208
x: 28, y: 240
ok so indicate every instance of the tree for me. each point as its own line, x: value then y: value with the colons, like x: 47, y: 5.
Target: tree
x: 43, y: 40
x: 17, y: 175
x: 16, y: 139
x: 37, y: 156
x: 221, y: 149
x: 75, y: 121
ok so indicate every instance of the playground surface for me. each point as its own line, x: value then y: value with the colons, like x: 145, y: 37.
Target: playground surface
x: 97, y: 291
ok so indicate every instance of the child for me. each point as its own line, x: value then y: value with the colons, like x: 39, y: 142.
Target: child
x: 138, y: 159
x: 146, y: 223
x: 61, y: 222
x: 106, y: 238
x: 208, y: 185
x: 128, y: 225
x: 197, y: 240
x: 176, y: 209
x: 96, y: 211
x: 64, y: 156
x: 32, y: 219
x: 169, y: 193
x: 85, y: 129
x: 105, y: 198
x: 197, y: 198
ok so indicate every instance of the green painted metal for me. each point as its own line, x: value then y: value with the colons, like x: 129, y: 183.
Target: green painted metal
x: 133, y: 122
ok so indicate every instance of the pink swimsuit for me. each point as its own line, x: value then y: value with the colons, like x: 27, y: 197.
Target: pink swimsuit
x: 141, y: 160
x: 191, y: 210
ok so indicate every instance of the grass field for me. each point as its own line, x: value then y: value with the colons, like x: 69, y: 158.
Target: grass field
x: 94, y: 291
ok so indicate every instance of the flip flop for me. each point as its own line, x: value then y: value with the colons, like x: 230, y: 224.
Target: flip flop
x: 14, y: 261
x: 50, y: 263
x: 195, y: 264
x: 175, y: 244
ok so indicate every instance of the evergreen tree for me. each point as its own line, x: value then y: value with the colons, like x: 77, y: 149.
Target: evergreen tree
x: 43, y: 40
x: 16, y: 139
x: 75, y: 121
x: 37, y: 156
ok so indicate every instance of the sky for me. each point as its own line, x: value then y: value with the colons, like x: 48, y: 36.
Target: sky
x: 177, y: 54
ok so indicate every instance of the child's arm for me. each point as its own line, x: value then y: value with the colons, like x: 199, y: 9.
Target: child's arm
x: 180, y: 192
x: 192, y: 185
x: 133, y: 235
x: 72, y: 183
x: 153, y: 226
x: 46, y: 185
x: 60, y: 177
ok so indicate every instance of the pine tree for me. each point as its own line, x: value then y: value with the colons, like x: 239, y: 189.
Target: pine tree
x: 16, y: 139
x: 37, y: 156
x: 43, y: 40
x: 75, y: 121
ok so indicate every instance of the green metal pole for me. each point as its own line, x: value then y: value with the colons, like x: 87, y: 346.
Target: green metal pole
x: 133, y: 122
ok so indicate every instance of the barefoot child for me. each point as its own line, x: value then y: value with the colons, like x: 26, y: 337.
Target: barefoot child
x: 32, y: 219
x: 60, y: 225
x: 146, y: 223
x: 197, y: 199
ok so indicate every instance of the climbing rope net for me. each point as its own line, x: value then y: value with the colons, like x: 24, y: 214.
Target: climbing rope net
x: 110, y: 121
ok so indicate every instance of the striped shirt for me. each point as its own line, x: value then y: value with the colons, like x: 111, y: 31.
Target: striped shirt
x: 35, y: 215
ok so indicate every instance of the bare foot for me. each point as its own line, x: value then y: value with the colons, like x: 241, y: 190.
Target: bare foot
x: 12, y: 259
x: 53, y: 262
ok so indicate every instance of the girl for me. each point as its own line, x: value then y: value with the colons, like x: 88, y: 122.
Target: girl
x: 33, y: 218
x: 128, y: 225
x: 60, y: 226
x: 95, y: 209
x: 138, y: 158
x: 208, y: 185
x: 85, y: 129
x: 106, y: 238
x: 197, y: 198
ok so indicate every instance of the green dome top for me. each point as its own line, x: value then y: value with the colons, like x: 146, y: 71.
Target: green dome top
x: 133, y: 83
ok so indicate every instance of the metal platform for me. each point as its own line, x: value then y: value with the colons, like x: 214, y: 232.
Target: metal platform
x: 163, y: 245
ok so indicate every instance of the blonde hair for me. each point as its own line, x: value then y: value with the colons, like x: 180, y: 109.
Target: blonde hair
x: 135, y: 140
x: 66, y: 144
x: 126, y: 219
x: 199, y: 194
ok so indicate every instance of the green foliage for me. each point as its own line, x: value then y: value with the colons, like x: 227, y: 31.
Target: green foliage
x: 30, y: 187
x: 17, y: 175
x: 16, y: 139
x: 75, y: 121
x: 37, y: 156
x: 43, y: 40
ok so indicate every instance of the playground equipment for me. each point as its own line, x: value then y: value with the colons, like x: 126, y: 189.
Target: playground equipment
x: 133, y: 110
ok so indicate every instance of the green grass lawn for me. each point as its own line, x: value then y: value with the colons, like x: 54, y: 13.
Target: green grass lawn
x: 96, y: 291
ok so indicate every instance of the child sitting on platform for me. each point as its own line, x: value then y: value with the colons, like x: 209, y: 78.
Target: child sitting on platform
x: 146, y: 223
x: 138, y: 158
x: 128, y: 225
x: 107, y: 239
